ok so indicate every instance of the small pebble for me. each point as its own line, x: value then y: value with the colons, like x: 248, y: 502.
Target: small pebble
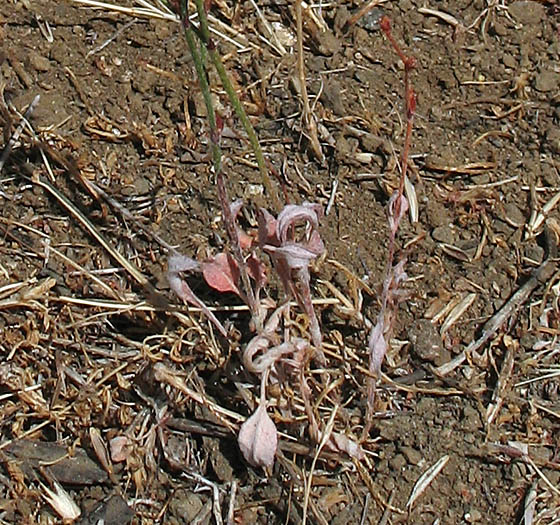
x: 500, y: 29
x: 553, y: 139
x: 38, y: 62
x: 473, y: 516
x: 547, y: 81
x: 527, y: 12
x: 412, y: 455
x: 443, y: 234
x: 509, y: 61
x: 398, y: 462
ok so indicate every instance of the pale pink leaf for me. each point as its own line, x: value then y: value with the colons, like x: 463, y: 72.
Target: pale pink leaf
x: 235, y: 207
x: 398, y: 206
x: 343, y: 443
x: 294, y: 255
x: 258, y: 439
x: 377, y: 345
x: 267, y: 228
x: 120, y: 447
x: 221, y: 273
x: 294, y: 213
x: 245, y: 240
x: 257, y: 270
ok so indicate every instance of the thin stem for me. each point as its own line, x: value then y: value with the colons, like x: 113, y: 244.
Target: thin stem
x: 204, y: 86
x: 242, y: 115
x: 207, y: 43
x: 204, y: 35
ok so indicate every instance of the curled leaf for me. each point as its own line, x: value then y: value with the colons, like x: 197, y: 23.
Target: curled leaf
x: 398, y: 206
x: 292, y: 214
x: 343, y: 443
x: 179, y: 263
x: 291, y: 256
x: 258, y: 438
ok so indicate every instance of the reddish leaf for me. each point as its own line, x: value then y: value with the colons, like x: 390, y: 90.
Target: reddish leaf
x: 245, y: 240
x: 222, y: 273
x: 257, y: 270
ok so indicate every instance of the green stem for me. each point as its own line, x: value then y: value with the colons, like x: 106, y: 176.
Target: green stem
x: 204, y: 86
x: 204, y: 30
x: 242, y: 115
x: 235, y: 102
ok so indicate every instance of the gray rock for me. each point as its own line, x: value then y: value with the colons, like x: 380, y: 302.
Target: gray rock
x: 413, y: 456
x: 547, y: 80
x: 527, y: 12
x: 427, y: 343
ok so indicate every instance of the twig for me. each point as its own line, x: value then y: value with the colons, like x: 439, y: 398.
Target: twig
x: 327, y: 431
x: 307, y: 116
x: 115, y: 35
x: 541, y: 275
x: 15, y: 137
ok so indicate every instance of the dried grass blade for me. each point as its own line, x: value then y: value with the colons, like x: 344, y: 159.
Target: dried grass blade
x: 410, y: 192
x: 538, y: 219
x: 61, y: 502
x: 14, y: 138
x: 425, y: 479
x: 271, y: 34
x: 324, y: 440
x: 307, y: 114
x: 530, y: 503
x: 457, y: 312
x: 166, y: 375
x: 92, y: 230
x: 503, y: 380
x: 540, y: 275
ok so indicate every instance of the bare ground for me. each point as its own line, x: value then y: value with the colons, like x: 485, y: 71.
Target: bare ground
x: 80, y: 333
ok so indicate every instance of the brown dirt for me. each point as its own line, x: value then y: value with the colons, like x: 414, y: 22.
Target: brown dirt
x: 131, y: 118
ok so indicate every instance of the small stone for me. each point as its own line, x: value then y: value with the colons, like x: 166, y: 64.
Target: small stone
x: 553, y: 140
x: 340, y: 18
x: 509, y: 61
x: 473, y: 516
x: 527, y: 12
x: 370, y: 21
x: 547, y: 81
x: 500, y: 29
x: 514, y: 214
x: 443, y: 234
x: 38, y: 62
x: 185, y: 504
x: 427, y: 343
x: 326, y: 43
x: 387, y: 430
x: 412, y: 455
x: 398, y: 462
x: 332, y: 99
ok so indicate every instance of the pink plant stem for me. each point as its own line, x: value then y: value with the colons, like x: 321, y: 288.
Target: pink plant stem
x: 307, y: 305
x: 236, y: 248
x: 381, y: 328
